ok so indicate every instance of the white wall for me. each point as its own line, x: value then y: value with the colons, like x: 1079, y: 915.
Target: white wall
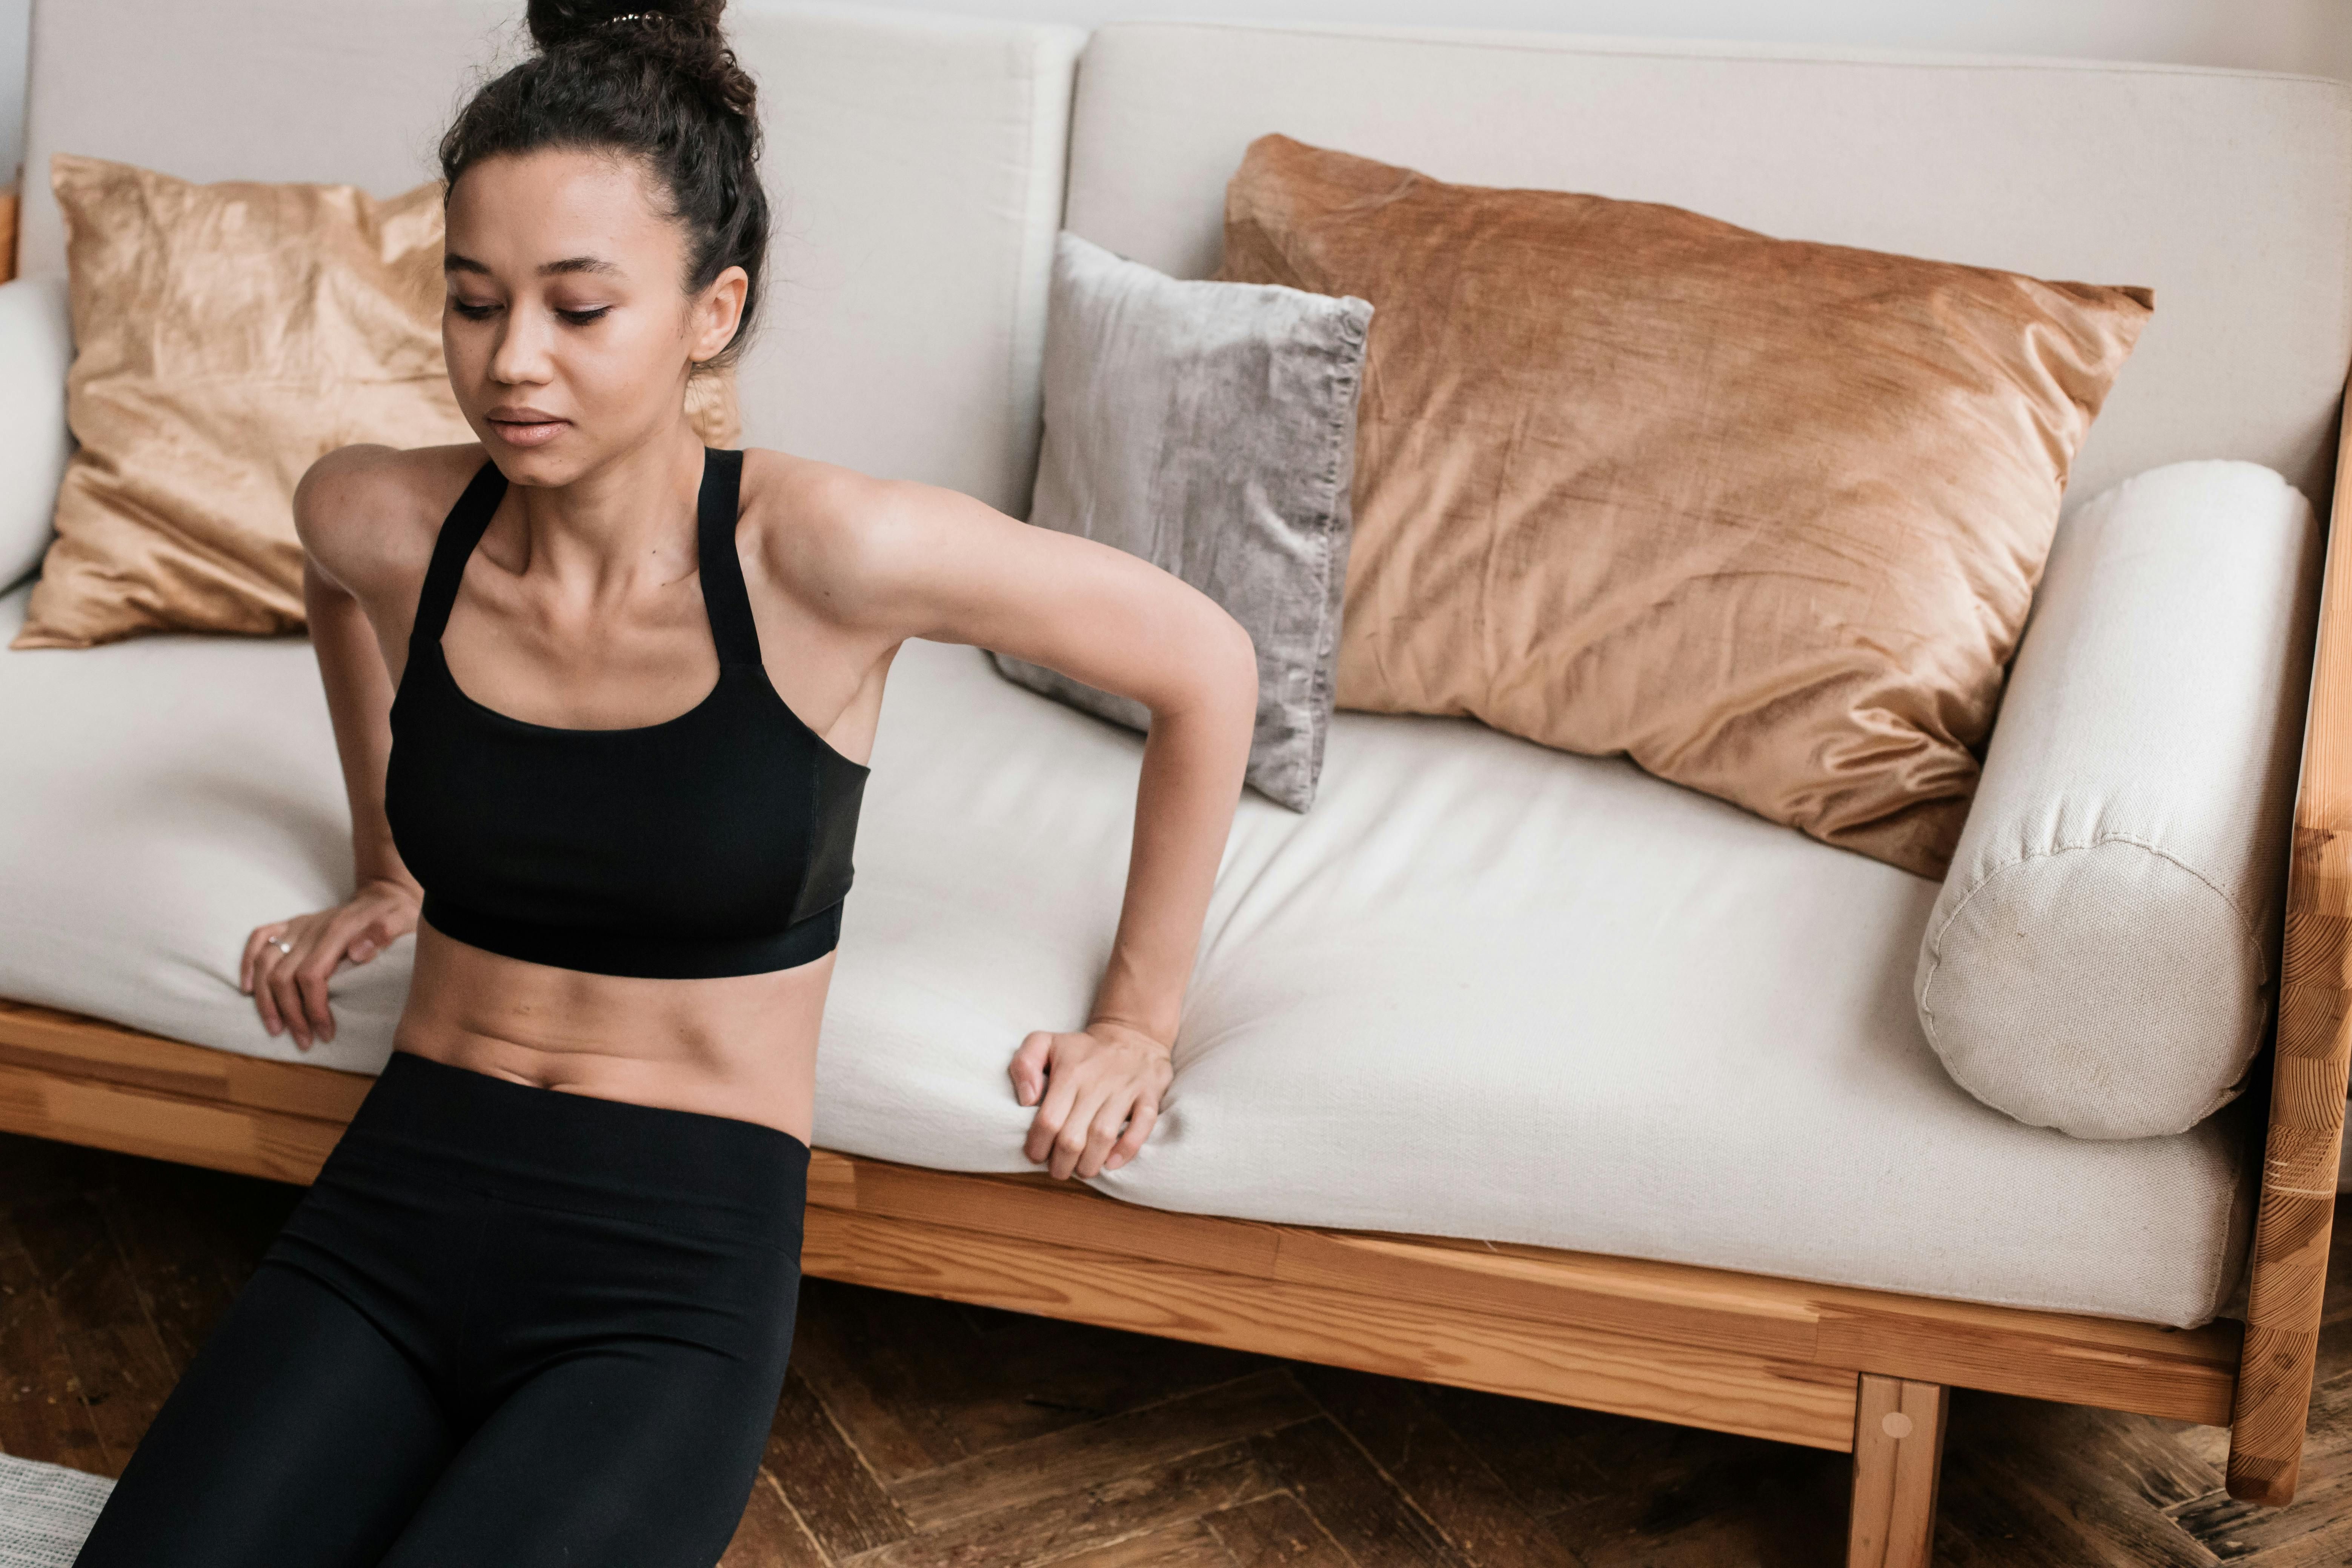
x: 2314, y: 36
x: 2309, y: 35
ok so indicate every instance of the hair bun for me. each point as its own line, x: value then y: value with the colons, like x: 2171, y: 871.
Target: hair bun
x: 684, y: 37
x: 553, y: 23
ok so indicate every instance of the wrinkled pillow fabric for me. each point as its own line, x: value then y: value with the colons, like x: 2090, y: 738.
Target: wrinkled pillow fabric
x: 1211, y: 429
x: 225, y: 336
x: 1765, y: 515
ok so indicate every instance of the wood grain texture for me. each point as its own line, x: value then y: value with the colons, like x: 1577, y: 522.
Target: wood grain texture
x: 1898, y: 1457
x: 221, y: 1135
x: 2289, y: 1266
x: 1275, y: 1531
x: 45, y: 1039
x: 2183, y: 1375
x: 1732, y: 1351
x: 926, y: 1430
x: 1599, y: 1369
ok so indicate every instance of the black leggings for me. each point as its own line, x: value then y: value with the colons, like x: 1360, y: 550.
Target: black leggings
x: 508, y: 1326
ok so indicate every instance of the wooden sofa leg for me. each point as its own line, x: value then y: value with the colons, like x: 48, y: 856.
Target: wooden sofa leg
x: 1898, y: 1450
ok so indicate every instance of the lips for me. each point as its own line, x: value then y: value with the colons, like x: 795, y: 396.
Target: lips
x: 525, y: 427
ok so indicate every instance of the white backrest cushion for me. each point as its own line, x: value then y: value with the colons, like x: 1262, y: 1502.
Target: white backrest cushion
x: 915, y: 163
x: 918, y: 165
x: 2229, y: 193
x: 36, y: 348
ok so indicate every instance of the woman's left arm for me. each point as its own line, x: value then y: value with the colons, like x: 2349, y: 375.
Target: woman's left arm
x: 952, y: 569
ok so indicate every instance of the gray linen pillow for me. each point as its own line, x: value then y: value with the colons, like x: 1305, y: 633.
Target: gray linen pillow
x: 1211, y: 429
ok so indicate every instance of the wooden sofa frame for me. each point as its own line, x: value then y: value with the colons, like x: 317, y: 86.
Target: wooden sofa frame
x: 1862, y: 1372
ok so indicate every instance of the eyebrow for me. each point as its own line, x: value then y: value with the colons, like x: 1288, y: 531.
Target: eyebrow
x: 452, y: 262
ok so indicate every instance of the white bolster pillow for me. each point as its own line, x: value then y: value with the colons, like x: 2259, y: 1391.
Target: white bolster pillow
x: 2103, y: 956
x: 35, y: 350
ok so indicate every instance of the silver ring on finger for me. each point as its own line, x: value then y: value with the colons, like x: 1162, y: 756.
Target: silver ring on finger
x: 281, y: 944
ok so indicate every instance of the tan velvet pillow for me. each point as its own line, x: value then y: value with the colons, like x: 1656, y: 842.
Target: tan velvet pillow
x: 1765, y: 515
x: 225, y: 336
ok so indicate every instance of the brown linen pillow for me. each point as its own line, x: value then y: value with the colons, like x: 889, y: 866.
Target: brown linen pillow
x: 226, y: 335
x: 1763, y: 514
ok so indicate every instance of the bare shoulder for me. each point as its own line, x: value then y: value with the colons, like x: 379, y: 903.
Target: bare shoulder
x: 893, y: 559
x: 851, y: 545
x: 367, y: 515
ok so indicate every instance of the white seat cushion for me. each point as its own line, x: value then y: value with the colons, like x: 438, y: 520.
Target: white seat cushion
x: 1482, y: 989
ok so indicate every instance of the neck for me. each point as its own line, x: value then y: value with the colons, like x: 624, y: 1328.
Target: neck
x: 620, y: 519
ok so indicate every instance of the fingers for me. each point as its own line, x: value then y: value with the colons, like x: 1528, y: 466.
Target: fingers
x: 1077, y: 1148
x: 1092, y: 1116
x: 373, y: 936
x: 1103, y: 1132
x: 1131, y: 1143
x: 1087, y: 1144
x: 288, y: 983
x: 284, y: 995
x: 256, y: 943
x: 311, y: 971
x: 263, y: 956
x: 1062, y: 1090
x: 1027, y: 1068
x: 293, y: 985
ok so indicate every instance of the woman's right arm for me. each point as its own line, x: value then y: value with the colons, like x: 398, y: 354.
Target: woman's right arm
x: 289, y: 988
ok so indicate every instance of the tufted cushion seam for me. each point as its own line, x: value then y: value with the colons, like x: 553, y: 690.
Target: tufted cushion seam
x: 1936, y: 938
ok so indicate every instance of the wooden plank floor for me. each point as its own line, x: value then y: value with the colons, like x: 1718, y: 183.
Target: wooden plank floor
x: 922, y: 1434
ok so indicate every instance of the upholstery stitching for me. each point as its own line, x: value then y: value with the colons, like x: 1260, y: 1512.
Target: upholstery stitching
x: 1936, y: 938
x: 1346, y: 373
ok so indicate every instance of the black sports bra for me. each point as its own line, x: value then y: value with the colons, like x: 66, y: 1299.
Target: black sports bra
x: 714, y: 843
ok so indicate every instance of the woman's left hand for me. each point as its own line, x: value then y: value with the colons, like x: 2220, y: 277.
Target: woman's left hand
x: 1093, y: 1082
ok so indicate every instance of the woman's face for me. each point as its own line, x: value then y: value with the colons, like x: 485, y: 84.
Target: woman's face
x: 568, y: 335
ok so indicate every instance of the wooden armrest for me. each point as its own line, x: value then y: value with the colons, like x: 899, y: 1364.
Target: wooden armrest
x: 2289, y: 1270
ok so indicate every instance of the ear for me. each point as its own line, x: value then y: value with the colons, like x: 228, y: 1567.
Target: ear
x: 717, y: 313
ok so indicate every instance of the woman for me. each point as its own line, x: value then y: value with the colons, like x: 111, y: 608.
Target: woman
x: 537, y: 1308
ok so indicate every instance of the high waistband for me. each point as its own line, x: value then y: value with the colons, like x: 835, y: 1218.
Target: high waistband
x: 563, y: 1150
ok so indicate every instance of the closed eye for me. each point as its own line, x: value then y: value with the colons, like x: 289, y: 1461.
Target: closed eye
x: 483, y: 313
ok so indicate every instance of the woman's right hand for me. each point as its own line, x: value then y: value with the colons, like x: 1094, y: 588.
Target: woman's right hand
x: 289, y: 982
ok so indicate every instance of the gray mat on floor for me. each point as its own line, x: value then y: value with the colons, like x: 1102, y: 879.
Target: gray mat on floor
x: 45, y: 1512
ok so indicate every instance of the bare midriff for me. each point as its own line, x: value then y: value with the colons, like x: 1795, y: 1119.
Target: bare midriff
x: 742, y: 1046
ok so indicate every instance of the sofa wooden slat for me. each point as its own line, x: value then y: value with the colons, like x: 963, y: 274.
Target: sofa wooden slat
x: 1597, y: 1368
x: 91, y: 1047
x: 1036, y: 1207
x: 192, y: 1130
x: 2314, y: 1047
x: 2180, y: 1374
x: 1705, y: 1307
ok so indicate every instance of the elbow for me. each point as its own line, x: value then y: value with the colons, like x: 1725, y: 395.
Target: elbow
x: 1232, y: 670
x: 1211, y: 676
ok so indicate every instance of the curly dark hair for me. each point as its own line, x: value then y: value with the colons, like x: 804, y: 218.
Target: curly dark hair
x: 655, y: 80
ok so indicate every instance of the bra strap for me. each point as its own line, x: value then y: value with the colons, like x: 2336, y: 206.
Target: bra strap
x: 460, y: 531
x: 724, y: 598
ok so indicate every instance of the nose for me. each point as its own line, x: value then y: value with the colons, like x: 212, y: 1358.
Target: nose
x: 520, y: 355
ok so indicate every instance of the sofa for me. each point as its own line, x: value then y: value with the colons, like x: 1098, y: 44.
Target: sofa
x: 1501, y: 1066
